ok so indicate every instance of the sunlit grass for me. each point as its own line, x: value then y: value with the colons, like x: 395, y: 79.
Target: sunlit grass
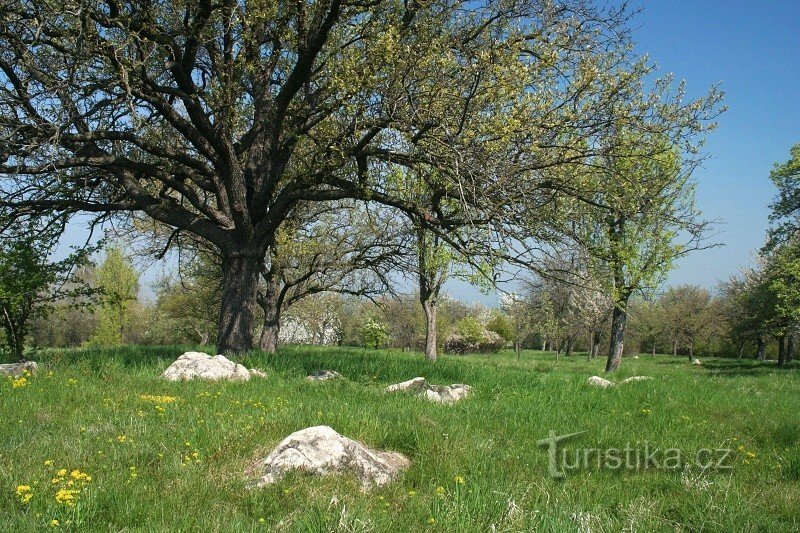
x: 172, y: 456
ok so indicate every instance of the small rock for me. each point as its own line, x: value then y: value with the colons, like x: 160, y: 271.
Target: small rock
x: 435, y: 393
x: 257, y: 373
x: 636, y: 357
x: 323, y: 375
x: 16, y: 370
x: 636, y: 378
x: 198, y: 365
x: 411, y: 384
x: 597, y: 381
x: 696, y: 361
x: 321, y: 450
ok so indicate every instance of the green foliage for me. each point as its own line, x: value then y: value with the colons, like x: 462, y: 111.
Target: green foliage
x: 374, y: 333
x: 118, y: 282
x: 786, y: 207
x: 29, y: 280
x: 501, y: 324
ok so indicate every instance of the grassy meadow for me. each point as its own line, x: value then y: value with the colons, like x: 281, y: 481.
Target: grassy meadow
x: 97, y: 442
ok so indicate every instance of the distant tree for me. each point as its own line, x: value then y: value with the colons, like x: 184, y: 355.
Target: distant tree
x: 30, y: 281
x: 686, y: 315
x: 118, y: 282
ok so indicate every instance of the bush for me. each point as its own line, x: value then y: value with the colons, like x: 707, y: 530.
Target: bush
x: 471, y: 337
x: 374, y: 334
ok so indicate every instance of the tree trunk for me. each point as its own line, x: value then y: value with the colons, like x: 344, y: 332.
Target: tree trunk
x: 618, y: 321
x: 741, y: 349
x: 674, y: 348
x: 270, y: 302
x: 691, y: 351
x: 570, y: 344
x: 596, y: 348
x: 544, y: 345
x: 517, y: 349
x: 781, y: 349
x: 429, y: 306
x: 790, y: 348
x: 653, y: 349
x: 235, y: 329
x: 761, y: 349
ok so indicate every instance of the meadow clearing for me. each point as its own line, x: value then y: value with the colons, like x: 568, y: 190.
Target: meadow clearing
x: 96, y: 441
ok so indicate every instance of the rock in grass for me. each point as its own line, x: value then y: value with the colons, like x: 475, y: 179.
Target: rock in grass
x: 435, y: 393
x: 323, y: 375
x: 696, y: 362
x: 636, y: 378
x: 16, y: 370
x: 322, y: 451
x: 198, y: 365
x: 597, y: 381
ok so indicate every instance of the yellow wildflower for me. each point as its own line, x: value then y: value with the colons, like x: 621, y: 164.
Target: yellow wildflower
x: 48, y: 462
x: 751, y: 454
x: 412, y: 492
x: 440, y: 491
x: 157, y: 399
x: 18, y: 383
x: 431, y: 520
x: 67, y: 496
x: 54, y: 523
x: 24, y: 493
x: 459, y: 480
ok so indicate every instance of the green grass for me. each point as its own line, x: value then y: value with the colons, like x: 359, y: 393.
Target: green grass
x: 83, y: 411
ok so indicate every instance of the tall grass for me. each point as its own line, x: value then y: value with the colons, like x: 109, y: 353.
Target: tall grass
x: 181, y: 465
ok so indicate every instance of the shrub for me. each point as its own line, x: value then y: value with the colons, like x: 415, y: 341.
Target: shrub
x: 471, y: 337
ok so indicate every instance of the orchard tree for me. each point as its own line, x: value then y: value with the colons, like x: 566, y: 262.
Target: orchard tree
x: 785, y: 215
x: 219, y: 118
x: 687, y: 315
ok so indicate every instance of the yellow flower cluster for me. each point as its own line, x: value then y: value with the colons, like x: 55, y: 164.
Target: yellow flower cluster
x: 70, y: 485
x: 191, y: 455
x: 157, y: 399
x: 19, y: 382
x: 24, y: 493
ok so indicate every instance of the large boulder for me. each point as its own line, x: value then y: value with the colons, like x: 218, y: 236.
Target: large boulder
x: 323, y: 375
x: 322, y: 451
x: 597, y: 381
x: 198, y: 365
x: 16, y: 370
x: 435, y: 393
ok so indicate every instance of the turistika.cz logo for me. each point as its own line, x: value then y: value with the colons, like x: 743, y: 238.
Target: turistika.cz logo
x: 640, y: 457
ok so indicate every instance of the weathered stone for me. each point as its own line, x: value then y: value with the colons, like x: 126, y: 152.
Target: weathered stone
x: 435, y: 393
x: 696, y: 361
x: 636, y: 378
x: 597, y: 381
x: 323, y: 375
x: 257, y: 373
x: 198, y: 365
x: 18, y: 369
x: 322, y: 451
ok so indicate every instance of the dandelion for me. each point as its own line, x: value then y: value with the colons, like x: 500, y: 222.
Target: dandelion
x: 440, y: 491
x: 48, y: 462
x: 54, y: 523
x: 67, y: 496
x: 122, y: 438
x: 24, y: 493
x: 19, y: 383
x: 459, y: 480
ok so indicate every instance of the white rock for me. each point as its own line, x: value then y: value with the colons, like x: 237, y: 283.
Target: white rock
x: 321, y: 450
x: 17, y: 369
x: 696, y: 361
x: 636, y: 357
x: 636, y: 378
x: 198, y: 365
x: 323, y: 375
x: 411, y: 384
x: 435, y: 393
x: 257, y: 373
x: 597, y: 381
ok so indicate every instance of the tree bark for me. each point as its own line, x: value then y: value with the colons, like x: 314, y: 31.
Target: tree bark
x: 790, y: 348
x: 691, y: 351
x: 429, y: 306
x: 235, y: 332
x: 619, y: 318
x: 269, y: 300
x: 598, y: 336
x: 517, y: 349
x: 570, y: 345
x: 761, y: 349
x: 781, y: 349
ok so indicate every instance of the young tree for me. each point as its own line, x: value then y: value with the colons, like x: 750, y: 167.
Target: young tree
x: 30, y: 281
x: 686, y: 315
x: 118, y: 283
x: 785, y: 215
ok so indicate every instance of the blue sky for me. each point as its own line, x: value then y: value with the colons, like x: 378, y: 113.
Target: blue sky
x: 753, y: 49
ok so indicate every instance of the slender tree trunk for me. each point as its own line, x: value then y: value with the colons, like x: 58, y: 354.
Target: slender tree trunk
x: 235, y: 329
x: 569, y: 347
x: 674, y: 348
x: 517, y: 349
x: 270, y: 302
x: 619, y: 318
x: 544, y: 345
x: 653, y: 349
x: 591, y: 346
x: 790, y: 348
x: 691, y: 351
x: 598, y: 335
x: 761, y: 349
x: 741, y: 349
x: 781, y: 349
x: 429, y: 306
